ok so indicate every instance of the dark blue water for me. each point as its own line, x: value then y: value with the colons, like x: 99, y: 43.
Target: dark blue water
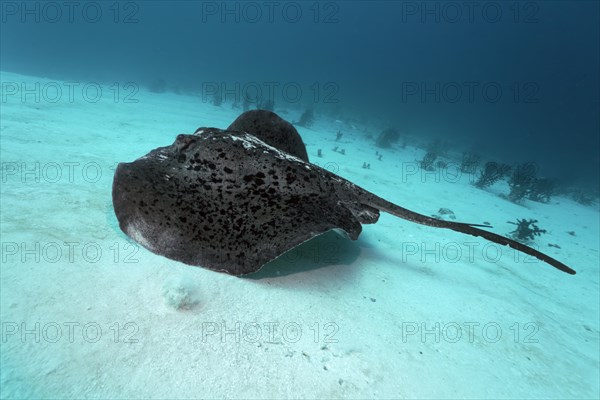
x: 514, y: 81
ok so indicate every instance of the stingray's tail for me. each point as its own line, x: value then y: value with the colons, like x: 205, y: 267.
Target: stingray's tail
x: 469, y: 229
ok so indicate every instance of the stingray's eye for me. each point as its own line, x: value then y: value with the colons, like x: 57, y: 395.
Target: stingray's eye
x: 184, y: 141
x: 182, y: 137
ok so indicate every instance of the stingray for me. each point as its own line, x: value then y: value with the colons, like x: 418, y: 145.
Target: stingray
x: 232, y: 200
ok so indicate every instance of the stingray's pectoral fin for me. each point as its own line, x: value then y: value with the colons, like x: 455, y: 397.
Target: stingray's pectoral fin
x: 469, y: 229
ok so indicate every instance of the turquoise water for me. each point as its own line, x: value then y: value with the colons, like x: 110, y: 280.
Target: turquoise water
x: 405, y: 311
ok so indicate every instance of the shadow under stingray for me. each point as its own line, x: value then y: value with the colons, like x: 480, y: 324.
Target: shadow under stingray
x: 324, y: 250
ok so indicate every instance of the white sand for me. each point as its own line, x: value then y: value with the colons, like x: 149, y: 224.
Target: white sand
x: 341, y: 320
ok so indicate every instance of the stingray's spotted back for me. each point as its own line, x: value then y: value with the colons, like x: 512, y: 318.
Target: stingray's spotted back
x: 227, y: 201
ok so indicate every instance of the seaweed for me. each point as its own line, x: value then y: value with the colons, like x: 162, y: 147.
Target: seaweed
x: 526, y: 230
x: 542, y: 189
x: 521, y: 181
x: 583, y: 197
x: 491, y: 173
x: 469, y: 163
x: 427, y: 161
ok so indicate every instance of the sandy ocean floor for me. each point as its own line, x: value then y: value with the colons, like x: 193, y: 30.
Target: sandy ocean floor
x: 406, y: 311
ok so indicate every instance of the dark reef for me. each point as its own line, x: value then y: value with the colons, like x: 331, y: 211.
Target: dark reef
x: 520, y: 181
x: 427, y: 161
x: 491, y: 173
x: 387, y: 138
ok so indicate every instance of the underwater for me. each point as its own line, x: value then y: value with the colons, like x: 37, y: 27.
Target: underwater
x: 300, y: 199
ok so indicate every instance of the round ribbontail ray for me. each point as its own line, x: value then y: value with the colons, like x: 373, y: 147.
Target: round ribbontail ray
x: 232, y: 200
